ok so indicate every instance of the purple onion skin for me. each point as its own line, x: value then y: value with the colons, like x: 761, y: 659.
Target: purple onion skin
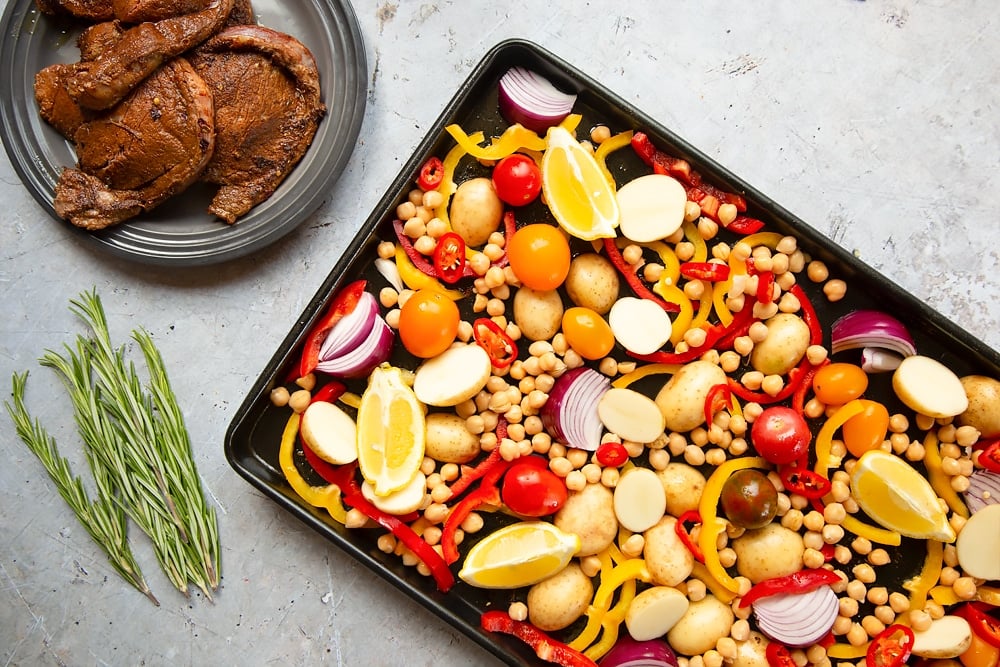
x: 628, y: 652
x: 979, y: 482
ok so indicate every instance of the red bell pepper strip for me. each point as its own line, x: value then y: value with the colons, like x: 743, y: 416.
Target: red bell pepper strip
x: 690, y: 516
x: 765, y: 291
x: 431, y: 174
x: 716, y: 337
x: 329, y: 392
x: 828, y: 551
x: 449, y: 258
x: 745, y: 225
x: 891, y: 647
x: 544, y: 646
x: 740, y: 326
x: 778, y: 655
x: 500, y: 347
x: 719, y: 396
x: 797, y: 582
x: 983, y: 624
x: 808, y: 315
x: 486, y: 494
x: 804, y: 481
x: 799, y: 397
x: 660, y: 161
x: 989, y: 456
x: 611, y: 454
x: 795, y: 378
x: 470, y: 476
x: 629, y: 273
x: 343, y: 304
x: 710, y: 271
x: 425, y: 266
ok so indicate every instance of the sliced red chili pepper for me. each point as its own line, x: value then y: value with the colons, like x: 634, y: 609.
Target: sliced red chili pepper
x: 710, y: 271
x: 629, y: 273
x: 500, y: 347
x: 778, y: 655
x: 745, y: 225
x: 694, y: 517
x: 808, y: 315
x: 983, y: 624
x: 719, y: 396
x: 891, y: 647
x: 797, y: 582
x: 449, y: 257
x: 431, y: 174
x: 343, y: 304
x: 765, y: 290
x: 544, y: 646
x: 989, y: 457
x: 611, y: 454
x: 804, y: 482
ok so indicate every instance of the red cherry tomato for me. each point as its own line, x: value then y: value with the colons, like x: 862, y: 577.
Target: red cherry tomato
x: 531, y: 490
x: 428, y: 323
x: 781, y: 435
x: 838, y: 383
x: 517, y: 179
x: 539, y: 256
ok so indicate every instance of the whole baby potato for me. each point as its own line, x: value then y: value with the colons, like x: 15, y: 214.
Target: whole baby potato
x: 669, y: 562
x: 475, y: 211
x: 983, y: 412
x: 768, y: 552
x: 592, y: 282
x: 558, y: 601
x: 683, y: 485
x: 538, y: 313
x: 448, y: 439
x: 589, y: 513
x: 752, y: 652
x: 703, y: 624
x: 786, y: 343
x: 682, y: 398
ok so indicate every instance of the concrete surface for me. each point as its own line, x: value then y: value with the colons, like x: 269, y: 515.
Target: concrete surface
x: 877, y: 122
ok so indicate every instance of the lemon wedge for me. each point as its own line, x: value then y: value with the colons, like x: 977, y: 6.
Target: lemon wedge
x: 898, y: 497
x: 576, y: 191
x: 520, y: 554
x: 391, y: 432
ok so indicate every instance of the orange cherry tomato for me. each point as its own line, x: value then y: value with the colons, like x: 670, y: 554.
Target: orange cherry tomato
x: 587, y: 332
x: 838, y: 383
x: 428, y: 322
x: 867, y: 429
x: 980, y: 654
x: 539, y: 256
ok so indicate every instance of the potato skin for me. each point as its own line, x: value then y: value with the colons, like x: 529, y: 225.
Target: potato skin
x: 558, y: 601
x: 590, y: 513
x: 752, y: 652
x: 475, y: 211
x: 683, y: 485
x: 771, y: 551
x: 592, y: 282
x: 538, y: 314
x: 706, y: 622
x: 669, y: 562
x: 682, y: 398
x: 448, y: 439
x: 786, y: 343
x: 983, y: 412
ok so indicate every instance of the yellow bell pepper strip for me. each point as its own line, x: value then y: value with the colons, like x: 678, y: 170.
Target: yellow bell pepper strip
x: 416, y: 279
x: 448, y: 185
x: 940, y: 481
x: 514, y: 137
x: 929, y: 576
x: 769, y: 239
x: 694, y: 237
x: 988, y: 594
x: 645, y: 371
x: 611, y: 580
x: 824, y: 461
x: 675, y: 295
x: 847, y: 651
x: 704, y: 309
x: 612, y: 622
x: 944, y: 595
x: 571, y: 122
x: 595, y: 614
x: 701, y: 573
x: 712, y: 525
x: 326, y: 497
x: 671, y: 265
x: 608, y: 146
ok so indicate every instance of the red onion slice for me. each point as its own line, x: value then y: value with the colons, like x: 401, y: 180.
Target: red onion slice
x: 354, y: 327
x: 530, y: 99
x: 571, y: 410
x: 797, y: 619
x: 871, y: 328
x: 984, y: 489
x: 628, y: 652
x: 363, y: 359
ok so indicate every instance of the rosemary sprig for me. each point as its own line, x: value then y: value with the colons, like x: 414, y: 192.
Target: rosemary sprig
x: 103, y: 518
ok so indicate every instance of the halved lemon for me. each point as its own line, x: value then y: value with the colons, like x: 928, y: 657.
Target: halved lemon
x: 520, y: 554
x: 898, y: 497
x: 391, y: 432
x: 576, y: 190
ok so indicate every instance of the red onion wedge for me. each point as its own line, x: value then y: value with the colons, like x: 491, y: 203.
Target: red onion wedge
x: 530, y: 99
x: 876, y: 360
x: 797, y: 619
x: 362, y: 359
x: 571, y: 411
x: 871, y: 329
x: 351, y: 329
x: 984, y: 489
x: 628, y: 652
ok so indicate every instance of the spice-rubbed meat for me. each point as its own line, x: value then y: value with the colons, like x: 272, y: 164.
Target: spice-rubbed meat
x: 267, y: 108
x: 104, y: 81
x: 152, y: 145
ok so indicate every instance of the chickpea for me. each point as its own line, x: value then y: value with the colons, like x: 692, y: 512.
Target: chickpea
x: 835, y: 289
x: 965, y: 588
x: 856, y: 589
x: 817, y: 271
x: 864, y: 573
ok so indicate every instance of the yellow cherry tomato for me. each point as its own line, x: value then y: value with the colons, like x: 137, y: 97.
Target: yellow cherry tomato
x: 587, y: 332
x: 838, y: 383
x: 866, y: 430
x: 980, y: 654
x: 428, y: 323
x: 539, y: 256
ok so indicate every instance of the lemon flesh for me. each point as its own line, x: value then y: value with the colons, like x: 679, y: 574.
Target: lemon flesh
x: 519, y: 555
x: 391, y: 432
x: 576, y: 191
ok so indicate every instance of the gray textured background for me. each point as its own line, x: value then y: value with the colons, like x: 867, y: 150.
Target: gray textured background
x: 876, y: 122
